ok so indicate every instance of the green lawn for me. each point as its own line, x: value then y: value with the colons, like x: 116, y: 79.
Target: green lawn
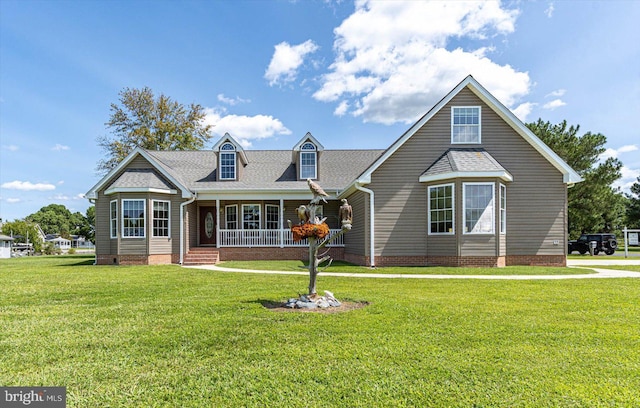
x: 177, y: 337
x: 345, y: 267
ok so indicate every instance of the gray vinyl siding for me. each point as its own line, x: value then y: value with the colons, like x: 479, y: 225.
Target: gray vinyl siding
x: 103, y: 240
x: 191, y: 221
x: 357, y: 240
x: 171, y: 244
x: 136, y: 246
x: 536, y: 199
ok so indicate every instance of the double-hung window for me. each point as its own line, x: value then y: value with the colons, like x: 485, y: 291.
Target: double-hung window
x: 478, y: 212
x: 465, y: 124
x: 133, y: 216
x: 231, y: 214
x: 161, y: 211
x: 308, y: 161
x: 250, y: 216
x: 113, y: 219
x: 273, y: 216
x: 441, y: 203
x: 227, y: 162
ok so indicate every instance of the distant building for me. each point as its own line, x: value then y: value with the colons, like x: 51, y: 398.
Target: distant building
x: 6, y: 242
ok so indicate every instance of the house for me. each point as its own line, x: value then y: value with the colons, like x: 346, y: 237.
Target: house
x: 467, y: 184
x: 58, y: 242
x: 5, y: 246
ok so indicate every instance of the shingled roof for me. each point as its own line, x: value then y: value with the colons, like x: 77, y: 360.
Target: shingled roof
x: 266, y: 169
x: 465, y: 163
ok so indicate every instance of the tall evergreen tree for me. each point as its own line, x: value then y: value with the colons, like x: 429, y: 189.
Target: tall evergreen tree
x: 594, y: 204
x: 633, y: 206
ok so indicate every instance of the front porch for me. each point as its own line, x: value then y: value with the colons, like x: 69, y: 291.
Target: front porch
x: 278, y: 238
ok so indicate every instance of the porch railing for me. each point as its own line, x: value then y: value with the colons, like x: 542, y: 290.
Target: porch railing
x: 268, y: 238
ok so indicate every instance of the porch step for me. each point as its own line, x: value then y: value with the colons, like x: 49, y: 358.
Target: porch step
x: 201, y: 256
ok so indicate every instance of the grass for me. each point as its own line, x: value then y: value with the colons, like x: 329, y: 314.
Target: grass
x: 345, y: 267
x: 633, y: 268
x: 159, y: 336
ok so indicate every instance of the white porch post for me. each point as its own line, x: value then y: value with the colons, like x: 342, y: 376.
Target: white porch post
x: 280, y: 221
x: 218, y: 209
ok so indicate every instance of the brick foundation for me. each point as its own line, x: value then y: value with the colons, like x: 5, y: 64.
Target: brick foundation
x: 156, y: 259
x: 537, y: 260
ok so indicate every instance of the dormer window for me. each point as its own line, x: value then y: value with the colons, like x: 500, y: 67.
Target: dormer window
x: 465, y: 124
x: 227, y: 162
x: 308, y: 161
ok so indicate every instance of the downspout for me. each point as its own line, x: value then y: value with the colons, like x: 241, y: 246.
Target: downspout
x: 95, y: 252
x: 182, y: 207
x: 372, y: 253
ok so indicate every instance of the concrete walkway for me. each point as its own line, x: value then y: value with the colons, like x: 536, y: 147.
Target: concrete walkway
x: 600, y: 273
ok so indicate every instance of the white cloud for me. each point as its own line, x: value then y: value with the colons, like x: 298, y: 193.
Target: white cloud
x: 232, y: 101
x: 556, y: 103
x: 286, y: 60
x: 391, y: 63
x: 629, y: 177
x: 523, y: 110
x: 244, y: 128
x: 60, y: 197
x: 549, y: 10
x: 610, y: 152
x: 557, y: 93
x: 13, y: 200
x: 11, y: 148
x: 58, y: 148
x: 28, y: 186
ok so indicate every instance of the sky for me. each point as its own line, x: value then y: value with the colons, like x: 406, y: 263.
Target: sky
x: 354, y: 74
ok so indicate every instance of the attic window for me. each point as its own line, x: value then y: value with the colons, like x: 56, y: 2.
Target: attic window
x: 308, y: 161
x: 227, y: 162
x: 465, y: 124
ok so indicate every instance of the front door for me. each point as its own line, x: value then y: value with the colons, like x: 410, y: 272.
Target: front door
x: 207, y: 225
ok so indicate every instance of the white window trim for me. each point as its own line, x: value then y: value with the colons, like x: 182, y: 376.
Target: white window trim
x: 235, y: 159
x: 144, y: 217
x: 453, y: 209
x: 453, y: 108
x: 266, y: 213
x: 153, y: 218
x: 315, y: 160
x: 464, y: 208
x: 259, y: 214
x: 111, y: 220
x: 226, y: 220
x: 503, y: 221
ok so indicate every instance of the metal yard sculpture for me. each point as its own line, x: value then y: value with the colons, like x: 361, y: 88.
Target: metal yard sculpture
x: 317, y: 232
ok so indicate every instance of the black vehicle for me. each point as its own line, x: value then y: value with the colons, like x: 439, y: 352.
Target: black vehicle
x: 604, y: 243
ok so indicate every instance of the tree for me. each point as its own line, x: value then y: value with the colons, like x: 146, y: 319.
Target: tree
x: 22, y: 231
x: 633, y: 205
x: 142, y: 120
x: 594, y: 205
x: 57, y: 219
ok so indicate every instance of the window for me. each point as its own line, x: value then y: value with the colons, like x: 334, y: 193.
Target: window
x: 273, y: 216
x: 133, y: 215
x: 113, y: 218
x: 465, y: 124
x: 227, y: 162
x: 251, y: 216
x: 478, y: 208
x: 308, y: 161
x: 441, y: 209
x: 231, y: 214
x: 503, y: 209
x: 161, y: 210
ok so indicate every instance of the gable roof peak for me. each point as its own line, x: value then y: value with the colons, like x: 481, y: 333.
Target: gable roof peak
x: 308, y: 138
x: 227, y: 138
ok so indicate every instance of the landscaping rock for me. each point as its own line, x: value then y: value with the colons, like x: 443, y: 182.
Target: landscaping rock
x: 313, y: 302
